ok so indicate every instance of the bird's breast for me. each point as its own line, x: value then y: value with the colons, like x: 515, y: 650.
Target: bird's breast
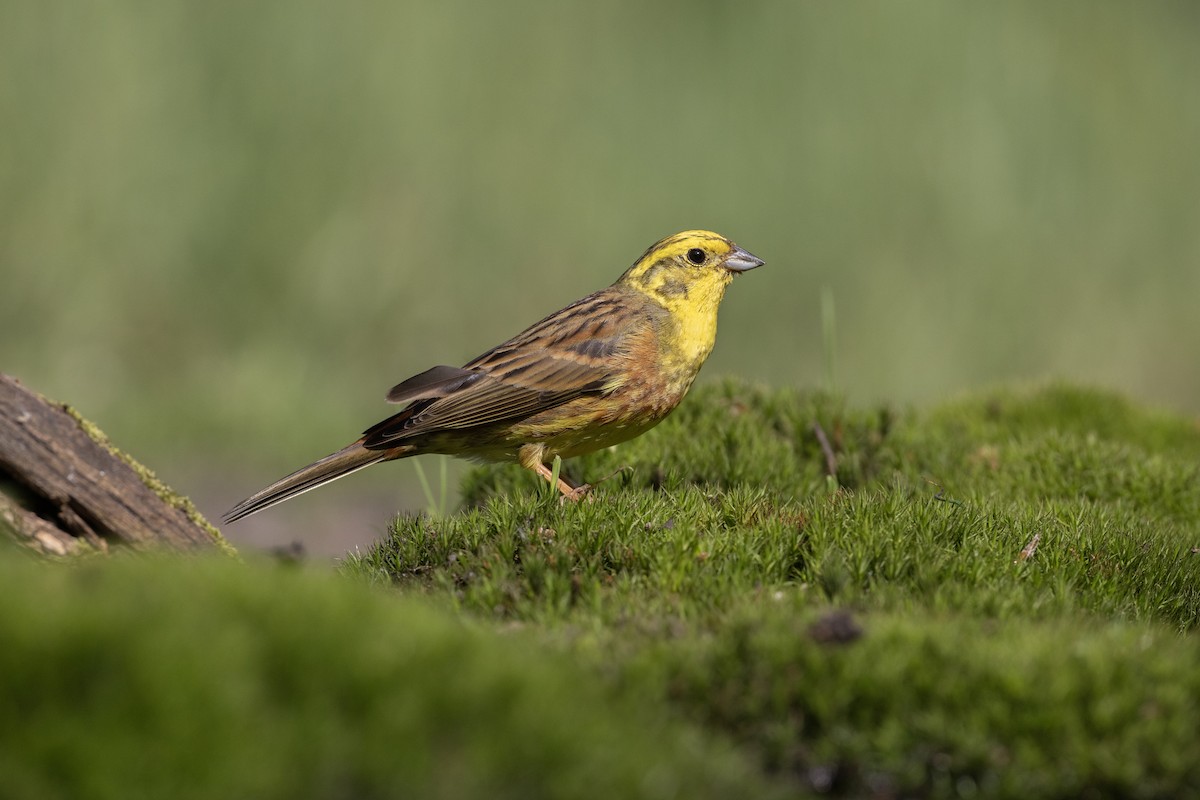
x: 685, y: 343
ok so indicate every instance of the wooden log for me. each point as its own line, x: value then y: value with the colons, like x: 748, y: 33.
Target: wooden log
x: 64, y: 489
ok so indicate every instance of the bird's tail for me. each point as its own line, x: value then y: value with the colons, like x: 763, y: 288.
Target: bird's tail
x: 330, y: 468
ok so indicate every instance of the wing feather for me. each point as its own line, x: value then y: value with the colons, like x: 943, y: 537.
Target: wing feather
x: 565, y: 355
x: 432, y: 383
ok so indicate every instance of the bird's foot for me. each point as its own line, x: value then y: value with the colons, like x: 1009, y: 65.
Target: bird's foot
x: 580, y: 492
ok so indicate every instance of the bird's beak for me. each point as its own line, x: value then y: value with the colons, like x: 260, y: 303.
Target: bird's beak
x: 740, y: 261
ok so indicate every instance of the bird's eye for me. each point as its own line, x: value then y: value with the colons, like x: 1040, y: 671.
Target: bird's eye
x: 696, y: 256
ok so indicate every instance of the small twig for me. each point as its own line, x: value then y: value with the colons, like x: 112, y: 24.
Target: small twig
x: 941, y: 494
x: 1029, y: 549
x: 830, y: 458
x: 584, y: 490
x: 614, y: 473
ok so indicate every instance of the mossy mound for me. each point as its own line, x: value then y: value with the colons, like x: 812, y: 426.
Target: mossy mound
x: 206, y: 678
x: 1024, y: 567
x: 998, y: 598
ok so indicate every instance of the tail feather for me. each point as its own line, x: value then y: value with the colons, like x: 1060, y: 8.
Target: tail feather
x: 330, y: 468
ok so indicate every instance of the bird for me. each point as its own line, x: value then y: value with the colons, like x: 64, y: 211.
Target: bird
x: 600, y: 371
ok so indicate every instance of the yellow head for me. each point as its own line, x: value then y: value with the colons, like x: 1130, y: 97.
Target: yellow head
x: 689, y: 269
x: 687, y: 274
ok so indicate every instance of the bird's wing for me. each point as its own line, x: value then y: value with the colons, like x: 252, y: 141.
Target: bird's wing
x: 569, y: 353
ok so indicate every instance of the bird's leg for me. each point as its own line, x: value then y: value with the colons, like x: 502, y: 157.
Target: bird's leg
x: 530, y: 457
x: 576, y: 494
x: 569, y: 492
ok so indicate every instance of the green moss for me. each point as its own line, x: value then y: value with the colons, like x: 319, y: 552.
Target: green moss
x: 997, y: 598
x: 1025, y: 565
x: 941, y: 511
x: 947, y: 706
x: 205, y: 678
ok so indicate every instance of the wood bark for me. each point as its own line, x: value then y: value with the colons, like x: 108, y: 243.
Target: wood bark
x: 64, y: 489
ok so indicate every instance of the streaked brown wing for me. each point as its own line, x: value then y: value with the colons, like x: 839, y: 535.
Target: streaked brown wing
x: 567, y: 354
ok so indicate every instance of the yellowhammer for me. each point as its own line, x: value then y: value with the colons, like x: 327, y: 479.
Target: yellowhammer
x: 600, y: 371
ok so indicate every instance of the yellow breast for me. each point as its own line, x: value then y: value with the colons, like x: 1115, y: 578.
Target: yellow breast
x: 690, y: 330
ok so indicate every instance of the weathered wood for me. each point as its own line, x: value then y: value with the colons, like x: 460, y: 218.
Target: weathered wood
x: 64, y: 488
x: 35, y: 532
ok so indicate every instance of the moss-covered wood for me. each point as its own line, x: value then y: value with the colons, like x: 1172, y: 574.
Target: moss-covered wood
x: 65, y: 490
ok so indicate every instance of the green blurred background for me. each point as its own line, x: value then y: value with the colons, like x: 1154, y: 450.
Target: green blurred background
x: 227, y: 228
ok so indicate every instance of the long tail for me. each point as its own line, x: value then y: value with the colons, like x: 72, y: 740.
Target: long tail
x: 330, y: 468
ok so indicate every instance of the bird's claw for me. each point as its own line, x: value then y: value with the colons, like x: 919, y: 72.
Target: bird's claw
x: 576, y: 494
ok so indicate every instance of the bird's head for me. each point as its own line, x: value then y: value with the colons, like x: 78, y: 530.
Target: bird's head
x: 691, y: 268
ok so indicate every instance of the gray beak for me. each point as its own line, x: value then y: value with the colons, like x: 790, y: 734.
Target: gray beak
x: 740, y: 261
